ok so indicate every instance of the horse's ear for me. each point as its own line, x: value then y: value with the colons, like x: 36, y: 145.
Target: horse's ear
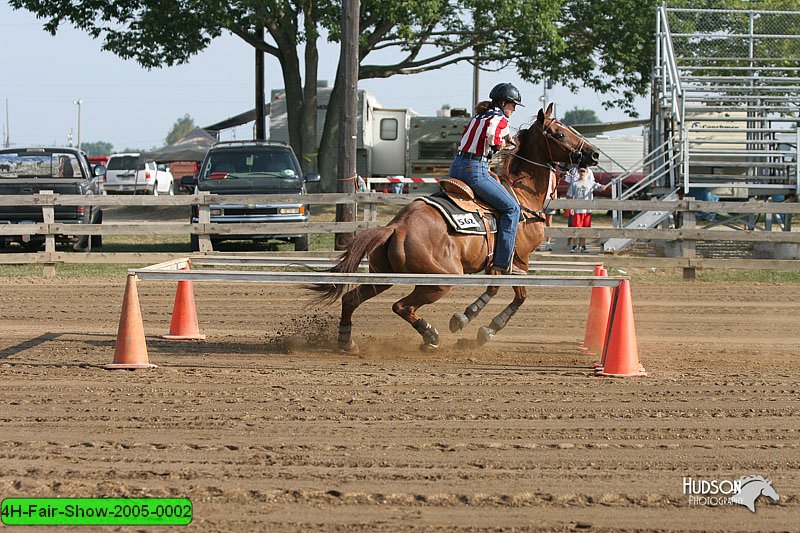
x: 549, y: 111
x: 540, y: 117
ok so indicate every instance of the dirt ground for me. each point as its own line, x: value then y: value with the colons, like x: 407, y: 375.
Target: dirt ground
x: 266, y: 427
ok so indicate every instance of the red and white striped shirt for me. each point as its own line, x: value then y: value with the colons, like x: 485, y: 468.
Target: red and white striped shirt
x: 484, y: 131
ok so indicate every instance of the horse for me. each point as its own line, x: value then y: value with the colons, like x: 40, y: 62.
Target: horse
x: 418, y: 241
x: 751, y: 488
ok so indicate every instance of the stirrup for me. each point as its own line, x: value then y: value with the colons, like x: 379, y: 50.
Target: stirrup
x: 510, y: 270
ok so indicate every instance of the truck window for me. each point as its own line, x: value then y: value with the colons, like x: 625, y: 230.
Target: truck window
x: 389, y: 127
x: 437, y: 150
x: 127, y: 162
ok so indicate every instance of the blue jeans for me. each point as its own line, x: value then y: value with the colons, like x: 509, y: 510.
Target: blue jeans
x: 476, y: 175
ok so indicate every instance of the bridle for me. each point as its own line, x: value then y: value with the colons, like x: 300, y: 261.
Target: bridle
x: 557, y: 138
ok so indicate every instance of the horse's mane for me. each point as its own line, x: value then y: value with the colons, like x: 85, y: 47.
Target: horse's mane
x: 745, y: 480
x: 511, y: 162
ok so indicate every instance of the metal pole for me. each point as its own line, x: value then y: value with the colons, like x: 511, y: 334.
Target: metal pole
x: 476, y: 83
x: 8, y: 128
x: 348, y: 73
x: 261, y: 133
x: 78, y: 103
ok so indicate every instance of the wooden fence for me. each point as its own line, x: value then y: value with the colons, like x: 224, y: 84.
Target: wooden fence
x: 366, y: 204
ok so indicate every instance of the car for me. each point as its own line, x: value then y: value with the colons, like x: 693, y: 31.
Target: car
x: 253, y: 167
x: 65, y: 171
x: 133, y: 173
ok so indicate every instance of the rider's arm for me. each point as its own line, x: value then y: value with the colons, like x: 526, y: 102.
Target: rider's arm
x: 497, y: 131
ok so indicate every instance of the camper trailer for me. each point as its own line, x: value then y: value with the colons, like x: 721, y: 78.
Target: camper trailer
x: 382, y: 133
x: 400, y: 146
x: 391, y: 144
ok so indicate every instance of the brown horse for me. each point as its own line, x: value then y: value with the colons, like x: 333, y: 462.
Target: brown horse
x: 419, y: 241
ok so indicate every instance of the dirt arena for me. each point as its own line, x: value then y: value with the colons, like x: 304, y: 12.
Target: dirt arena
x: 266, y: 427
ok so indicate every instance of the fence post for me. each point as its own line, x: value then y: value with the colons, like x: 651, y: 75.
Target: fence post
x: 49, y: 217
x: 688, y: 246
x: 370, y: 212
x: 204, y: 217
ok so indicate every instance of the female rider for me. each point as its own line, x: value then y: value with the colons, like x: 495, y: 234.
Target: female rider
x: 485, y: 134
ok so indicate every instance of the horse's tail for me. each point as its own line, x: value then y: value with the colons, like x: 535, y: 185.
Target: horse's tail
x: 361, y: 246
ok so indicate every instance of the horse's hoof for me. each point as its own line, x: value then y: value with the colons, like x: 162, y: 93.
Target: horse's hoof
x: 425, y: 347
x: 485, y: 334
x: 349, y: 347
x: 458, y: 322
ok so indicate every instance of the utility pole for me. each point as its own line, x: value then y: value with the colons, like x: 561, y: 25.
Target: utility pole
x: 78, y: 103
x: 476, y: 86
x: 348, y: 75
x: 261, y: 130
x: 547, y: 85
x: 7, y: 140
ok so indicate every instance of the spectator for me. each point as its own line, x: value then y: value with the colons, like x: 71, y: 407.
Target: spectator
x: 65, y: 169
x: 361, y: 184
x: 572, y: 176
x: 397, y: 187
x: 582, y: 189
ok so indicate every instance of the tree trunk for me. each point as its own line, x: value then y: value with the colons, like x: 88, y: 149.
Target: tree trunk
x: 328, y: 153
x: 309, y: 155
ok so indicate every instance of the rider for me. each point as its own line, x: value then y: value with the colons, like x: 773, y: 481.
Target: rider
x: 487, y: 133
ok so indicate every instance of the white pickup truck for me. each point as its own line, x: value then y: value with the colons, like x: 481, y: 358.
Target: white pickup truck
x: 132, y: 173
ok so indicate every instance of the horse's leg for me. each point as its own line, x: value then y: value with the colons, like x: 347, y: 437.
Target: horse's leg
x: 487, y: 333
x: 407, y: 309
x: 460, y: 320
x: 350, y: 301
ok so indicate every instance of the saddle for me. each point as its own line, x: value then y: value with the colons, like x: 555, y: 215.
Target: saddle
x: 463, y: 212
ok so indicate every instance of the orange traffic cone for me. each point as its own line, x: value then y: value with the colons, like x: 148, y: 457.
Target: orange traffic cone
x: 621, y: 352
x: 131, y: 350
x: 597, y: 323
x: 184, y: 326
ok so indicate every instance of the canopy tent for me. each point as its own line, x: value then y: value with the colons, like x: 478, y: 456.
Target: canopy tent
x: 192, y: 147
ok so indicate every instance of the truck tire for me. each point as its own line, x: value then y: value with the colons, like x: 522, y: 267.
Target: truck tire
x: 301, y: 243
x: 97, y: 240
x: 83, y: 244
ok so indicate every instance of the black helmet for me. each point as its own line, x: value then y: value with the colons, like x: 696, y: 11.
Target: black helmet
x: 507, y: 93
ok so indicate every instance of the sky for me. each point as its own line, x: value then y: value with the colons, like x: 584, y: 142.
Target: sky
x: 132, y: 107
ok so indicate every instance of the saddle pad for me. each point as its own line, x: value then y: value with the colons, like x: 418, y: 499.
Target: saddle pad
x: 461, y: 221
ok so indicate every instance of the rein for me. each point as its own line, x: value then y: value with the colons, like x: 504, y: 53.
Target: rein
x: 552, y: 166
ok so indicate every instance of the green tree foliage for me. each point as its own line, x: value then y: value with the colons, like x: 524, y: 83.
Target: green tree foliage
x: 580, y: 116
x: 606, y: 46
x: 97, y: 148
x: 180, y: 129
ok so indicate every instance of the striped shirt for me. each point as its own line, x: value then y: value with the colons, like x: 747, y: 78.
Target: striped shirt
x: 484, y: 131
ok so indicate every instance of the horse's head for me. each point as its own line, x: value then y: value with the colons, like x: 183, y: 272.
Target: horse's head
x: 768, y: 491
x: 561, y: 144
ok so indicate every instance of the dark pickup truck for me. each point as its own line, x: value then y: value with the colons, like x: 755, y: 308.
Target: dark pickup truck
x: 61, y: 170
x: 253, y: 167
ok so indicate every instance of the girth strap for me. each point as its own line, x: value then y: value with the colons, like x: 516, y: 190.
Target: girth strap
x: 537, y: 216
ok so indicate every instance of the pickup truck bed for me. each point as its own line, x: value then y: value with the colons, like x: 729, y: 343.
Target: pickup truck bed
x: 66, y: 171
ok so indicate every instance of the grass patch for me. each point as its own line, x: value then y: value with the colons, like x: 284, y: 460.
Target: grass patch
x: 657, y: 276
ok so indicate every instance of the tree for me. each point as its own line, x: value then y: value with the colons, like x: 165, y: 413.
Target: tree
x: 607, y: 46
x: 97, y: 148
x: 580, y: 116
x: 180, y: 129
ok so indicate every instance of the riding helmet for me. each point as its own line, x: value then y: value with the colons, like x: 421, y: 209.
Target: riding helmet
x: 507, y: 93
